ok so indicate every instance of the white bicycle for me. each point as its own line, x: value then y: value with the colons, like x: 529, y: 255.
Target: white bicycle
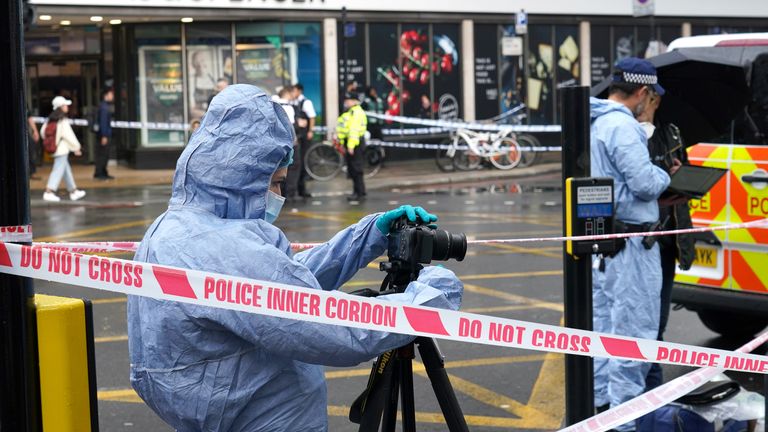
x: 470, y: 148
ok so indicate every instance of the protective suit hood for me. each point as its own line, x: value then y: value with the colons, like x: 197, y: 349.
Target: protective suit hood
x: 227, y: 166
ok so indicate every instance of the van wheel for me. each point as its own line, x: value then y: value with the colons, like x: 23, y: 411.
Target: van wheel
x: 731, y: 325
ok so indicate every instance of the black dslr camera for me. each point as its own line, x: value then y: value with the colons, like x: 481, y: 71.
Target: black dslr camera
x: 416, y: 243
x: 412, y: 244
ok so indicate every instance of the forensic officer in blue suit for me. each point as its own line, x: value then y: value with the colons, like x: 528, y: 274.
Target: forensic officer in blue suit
x: 208, y: 369
x: 626, y: 286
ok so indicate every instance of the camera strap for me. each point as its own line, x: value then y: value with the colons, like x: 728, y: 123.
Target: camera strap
x: 366, y: 410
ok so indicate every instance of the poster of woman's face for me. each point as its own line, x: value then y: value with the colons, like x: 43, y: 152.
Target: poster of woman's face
x: 205, y: 67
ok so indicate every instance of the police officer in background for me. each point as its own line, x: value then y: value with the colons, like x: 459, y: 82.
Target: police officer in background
x: 626, y: 286
x: 350, y: 129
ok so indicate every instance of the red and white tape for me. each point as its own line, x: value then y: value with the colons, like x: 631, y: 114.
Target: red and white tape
x: 338, y: 308
x: 101, y: 247
x: 656, y: 398
x: 16, y: 234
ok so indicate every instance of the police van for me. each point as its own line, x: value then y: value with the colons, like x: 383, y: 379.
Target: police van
x: 728, y: 283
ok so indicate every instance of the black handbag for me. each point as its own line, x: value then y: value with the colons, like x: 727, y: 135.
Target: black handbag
x: 711, y: 392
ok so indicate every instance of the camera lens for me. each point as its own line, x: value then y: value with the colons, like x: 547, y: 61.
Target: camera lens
x: 446, y: 246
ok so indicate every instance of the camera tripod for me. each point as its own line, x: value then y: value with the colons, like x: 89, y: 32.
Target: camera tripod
x: 392, y: 373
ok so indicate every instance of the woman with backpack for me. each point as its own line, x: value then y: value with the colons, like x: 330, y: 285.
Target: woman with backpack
x: 59, y: 139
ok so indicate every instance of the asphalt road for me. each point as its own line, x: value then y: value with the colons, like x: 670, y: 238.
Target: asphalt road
x: 497, y: 388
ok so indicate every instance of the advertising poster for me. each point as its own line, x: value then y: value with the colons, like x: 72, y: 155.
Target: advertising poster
x: 267, y: 66
x: 446, y: 71
x: 161, y: 94
x: 354, y: 74
x: 486, y: 71
x: 512, y: 91
x: 205, y: 66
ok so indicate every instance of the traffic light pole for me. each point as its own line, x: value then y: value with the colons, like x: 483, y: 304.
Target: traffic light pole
x: 19, y: 398
x: 577, y: 270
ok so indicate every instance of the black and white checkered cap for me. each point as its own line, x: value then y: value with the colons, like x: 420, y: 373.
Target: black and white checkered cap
x: 636, y: 78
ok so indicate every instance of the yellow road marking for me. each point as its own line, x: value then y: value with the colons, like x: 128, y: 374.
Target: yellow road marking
x: 513, y: 297
x: 118, y: 338
x: 89, y: 231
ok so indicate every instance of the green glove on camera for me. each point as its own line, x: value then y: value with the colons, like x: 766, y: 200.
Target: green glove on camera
x: 384, y: 222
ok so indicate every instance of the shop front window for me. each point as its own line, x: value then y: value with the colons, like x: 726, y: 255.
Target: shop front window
x: 444, y: 68
x: 306, y: 37
x: 160, y: 96
x: 541, y: 63
x: 512, y: 90
x: 209, y: 64
x: 352, y: 76
x: 263, y: 58
x: 486, y: 65
x: 384, y: 70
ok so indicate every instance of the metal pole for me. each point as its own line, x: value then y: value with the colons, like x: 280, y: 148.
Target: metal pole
x: 19, y: 398
x: 577, y: 280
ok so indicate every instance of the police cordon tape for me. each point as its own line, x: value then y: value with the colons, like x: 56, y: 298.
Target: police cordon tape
x: 429, y: 146
x: 451, y: 124
x: 656, y: 398
x: 337, y: 308
x: 126, y: 246
x: 17, y: 234
x: 435, y: 127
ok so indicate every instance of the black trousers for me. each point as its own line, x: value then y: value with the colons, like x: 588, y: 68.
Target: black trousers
x: 101, y: 157
x: 301, y: 186
x: 292, y: 179
x: 355, y: 169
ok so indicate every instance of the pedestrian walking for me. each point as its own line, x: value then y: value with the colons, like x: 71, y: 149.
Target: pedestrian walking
x: 59, y: 139
x: 104, y: 134
x: 350, y: 130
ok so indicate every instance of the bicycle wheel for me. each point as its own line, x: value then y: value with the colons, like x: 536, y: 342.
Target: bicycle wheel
x: 465, y: 160
x: 373, y: 158
x: 444, y: 157
x: 528, y: 156
x: 507, y: 155
x: 322, y: 162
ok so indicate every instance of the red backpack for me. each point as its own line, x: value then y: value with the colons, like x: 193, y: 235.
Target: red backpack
x: 49, y: 141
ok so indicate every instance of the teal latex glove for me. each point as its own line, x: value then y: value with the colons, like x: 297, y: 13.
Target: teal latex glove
x: 384, y: 222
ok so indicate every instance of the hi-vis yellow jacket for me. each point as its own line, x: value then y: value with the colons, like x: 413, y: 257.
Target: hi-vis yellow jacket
x: 351, y: 126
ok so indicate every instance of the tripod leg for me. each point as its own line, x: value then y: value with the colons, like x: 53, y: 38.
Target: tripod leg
x: 406, y: 388
x: 435, y: 367
x: 390, y: 406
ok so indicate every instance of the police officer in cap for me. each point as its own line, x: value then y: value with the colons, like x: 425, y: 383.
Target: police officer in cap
x: 350, y: 129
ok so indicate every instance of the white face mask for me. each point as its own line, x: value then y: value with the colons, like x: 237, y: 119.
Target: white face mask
x: 274, y: 205
x: 649, y: 128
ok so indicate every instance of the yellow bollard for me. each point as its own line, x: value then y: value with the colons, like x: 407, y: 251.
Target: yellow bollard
x: 67, y: 367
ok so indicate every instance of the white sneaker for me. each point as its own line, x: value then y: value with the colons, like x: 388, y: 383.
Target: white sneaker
x: 76, y: 194
x: 50, y: 196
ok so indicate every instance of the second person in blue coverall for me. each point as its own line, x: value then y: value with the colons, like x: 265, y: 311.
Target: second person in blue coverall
x: 208, y: 369
x: 626, y: 287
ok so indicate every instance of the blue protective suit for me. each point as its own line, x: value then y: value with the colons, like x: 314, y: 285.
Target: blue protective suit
x: 207, y: 369
x: 626, y: 295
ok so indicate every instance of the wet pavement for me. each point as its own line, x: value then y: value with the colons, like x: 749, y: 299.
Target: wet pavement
x: 497, y: 388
